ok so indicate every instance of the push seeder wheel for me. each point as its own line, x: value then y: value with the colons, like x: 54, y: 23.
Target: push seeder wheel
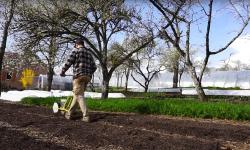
x: 56, y: 107
x: 62, y: 106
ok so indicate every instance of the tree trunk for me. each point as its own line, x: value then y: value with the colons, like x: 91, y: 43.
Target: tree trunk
x: 201, y: 94
x: 1, y: 64
x: 118, y: 78
x: 105, y: 85
x: 126, y: 82
x: 121, y: 79
x: 179, y: 82
x: 180, y: 74
x: 51, y: 61
x: 198, y: 87
x: 50, y: 77
x: 146, y: 87
x: 4, y: 39
x: 175, y: 77
x: 105, y: 88
x: 146, y: 90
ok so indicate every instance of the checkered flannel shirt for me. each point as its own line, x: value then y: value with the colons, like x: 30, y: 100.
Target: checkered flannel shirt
x: 82, y: 61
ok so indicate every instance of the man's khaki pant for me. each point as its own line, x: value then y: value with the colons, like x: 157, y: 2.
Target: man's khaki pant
x: 79, y: 87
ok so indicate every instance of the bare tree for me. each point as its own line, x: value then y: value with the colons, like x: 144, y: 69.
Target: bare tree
x: 146, y: 66
x: 185, y: 18
x: 236, y: 65
x: 226, y: 66
x: 119, y: 50
x: 239, y: 66
x: 246, y: 67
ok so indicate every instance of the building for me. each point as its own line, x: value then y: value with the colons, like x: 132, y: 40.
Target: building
x: 14, y: 66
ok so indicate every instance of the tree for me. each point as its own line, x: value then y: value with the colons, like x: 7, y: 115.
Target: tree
x: 46, y: 48
x: 239, y: 66
x: 11, y: 62
x: 146, y: 66
x: 116, y: 51
x: 173, y: 63
x: 119, y: 50
x: 236, y: 65
x: 49, y: 53
x: 97, y: 22
x: 119, y: 73
x: 181, y: 13
x: 129, y: 68
x: 225, y: 65
x: 9, y: 14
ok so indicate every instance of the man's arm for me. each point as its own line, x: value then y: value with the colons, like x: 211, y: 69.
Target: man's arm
x: 70, y: 61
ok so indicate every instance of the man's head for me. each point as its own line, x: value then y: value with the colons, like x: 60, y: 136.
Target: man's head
x: 79, y: 43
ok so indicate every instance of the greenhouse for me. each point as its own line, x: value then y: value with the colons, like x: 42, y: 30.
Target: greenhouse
x: 223, y: 79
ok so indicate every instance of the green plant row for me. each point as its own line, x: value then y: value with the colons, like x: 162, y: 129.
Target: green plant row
x: 187, y: 107
x: 163, y: 95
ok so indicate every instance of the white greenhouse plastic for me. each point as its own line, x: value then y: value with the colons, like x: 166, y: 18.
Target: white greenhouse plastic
x: 223, y: 79
x: 162, y: 81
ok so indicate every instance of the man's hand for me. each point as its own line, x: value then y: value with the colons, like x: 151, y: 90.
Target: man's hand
x: 62, y: 74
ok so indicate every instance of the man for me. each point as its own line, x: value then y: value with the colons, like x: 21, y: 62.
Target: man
x: 83, y: 68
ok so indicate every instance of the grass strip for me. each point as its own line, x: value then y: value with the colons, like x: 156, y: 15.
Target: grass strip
x: 187, y: 107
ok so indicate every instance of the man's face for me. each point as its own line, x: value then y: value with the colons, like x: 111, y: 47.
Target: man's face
x: 78, y: 45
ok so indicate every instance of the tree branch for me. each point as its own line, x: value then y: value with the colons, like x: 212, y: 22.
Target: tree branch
x: 205, y: 61
x: 137, y: 81
x: 131, y: 53
x: 233, y: 39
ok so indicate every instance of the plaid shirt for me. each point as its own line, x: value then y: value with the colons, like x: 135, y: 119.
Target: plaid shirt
x: 82, y: 61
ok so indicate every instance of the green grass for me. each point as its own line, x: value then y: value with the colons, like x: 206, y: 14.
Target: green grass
x: 222, y: 88
x: 163, y: 95
x: 217, y: 88
x: 145, y: 95
x: 111, y: 89
x: 48, y: 102
x: 187, y: 107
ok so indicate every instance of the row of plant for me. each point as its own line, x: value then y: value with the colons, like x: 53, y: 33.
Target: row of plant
x: 187, y: 107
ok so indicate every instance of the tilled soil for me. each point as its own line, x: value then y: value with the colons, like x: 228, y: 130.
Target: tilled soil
x: 37, y: 128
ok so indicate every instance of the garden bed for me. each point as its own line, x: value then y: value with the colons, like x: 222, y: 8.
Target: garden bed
x: 33, y: 127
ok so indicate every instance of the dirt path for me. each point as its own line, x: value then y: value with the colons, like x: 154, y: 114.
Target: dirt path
x: 25, y: 127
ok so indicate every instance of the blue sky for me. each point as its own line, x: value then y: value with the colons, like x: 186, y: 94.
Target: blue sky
x: 223, y: 28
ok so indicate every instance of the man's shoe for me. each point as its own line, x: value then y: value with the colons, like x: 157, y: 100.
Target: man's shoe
x: 86, y: 119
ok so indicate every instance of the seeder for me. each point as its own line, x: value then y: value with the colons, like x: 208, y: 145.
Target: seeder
x: 62, y: 106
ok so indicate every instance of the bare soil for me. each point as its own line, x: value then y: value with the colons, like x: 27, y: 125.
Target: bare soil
x: 37, y: 128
